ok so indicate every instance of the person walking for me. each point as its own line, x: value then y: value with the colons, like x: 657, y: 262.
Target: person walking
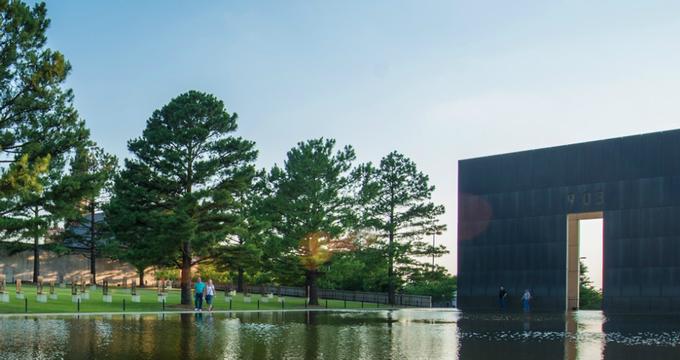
x: 199, y: 290
x: 209, y: 294
x: 502, y: 297
x: 526, y: 298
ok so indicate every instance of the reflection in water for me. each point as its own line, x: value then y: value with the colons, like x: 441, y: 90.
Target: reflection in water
x: 409, y: 334
x: 584, y: 337
x: 632, y: 337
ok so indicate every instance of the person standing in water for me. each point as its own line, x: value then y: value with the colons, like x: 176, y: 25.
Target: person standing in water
x: 526, y: 298
x: 199, y: 290
x: 209, y: 294
x: 502, y: 297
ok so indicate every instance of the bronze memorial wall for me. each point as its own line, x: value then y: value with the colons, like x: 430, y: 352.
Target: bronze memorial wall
x: 514, y: 212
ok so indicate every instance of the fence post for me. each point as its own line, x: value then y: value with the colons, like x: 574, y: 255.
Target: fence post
x: 163, y: 305
x: 229, y: 304
x: 78, y: 304
x: 258, y: 304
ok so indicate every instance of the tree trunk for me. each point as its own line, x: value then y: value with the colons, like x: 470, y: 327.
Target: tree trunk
x: 141, y: 278
x: 93, y: 266
x: 36, y: 259
x: 390, y: 271
x: 186, y: 245
x: 93, y: 245
x: 313, y: 289
x: 36, y: 251
x: 239, y: 280
x: 390, y: 251
x: 186, y: 273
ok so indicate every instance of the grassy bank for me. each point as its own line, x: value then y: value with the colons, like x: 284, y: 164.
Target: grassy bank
x: 149, y: 302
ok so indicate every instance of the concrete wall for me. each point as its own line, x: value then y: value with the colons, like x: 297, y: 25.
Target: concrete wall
x: 512, y: 221
x: 56, y: 268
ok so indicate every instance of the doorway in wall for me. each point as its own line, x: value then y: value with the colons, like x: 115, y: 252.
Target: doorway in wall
x: 585, y: 234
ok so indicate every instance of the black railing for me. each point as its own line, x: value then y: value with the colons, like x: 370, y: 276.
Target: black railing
x: 346, y: 295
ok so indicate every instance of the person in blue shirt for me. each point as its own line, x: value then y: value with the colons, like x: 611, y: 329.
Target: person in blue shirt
x: 199, y: 289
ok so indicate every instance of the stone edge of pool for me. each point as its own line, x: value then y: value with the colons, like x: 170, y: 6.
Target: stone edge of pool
x: 27, y: 315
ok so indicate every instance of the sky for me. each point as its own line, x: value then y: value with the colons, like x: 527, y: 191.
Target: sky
x: 438, y: 81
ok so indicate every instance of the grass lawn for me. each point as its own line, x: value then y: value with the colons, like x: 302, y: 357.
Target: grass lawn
x: 149, y: 302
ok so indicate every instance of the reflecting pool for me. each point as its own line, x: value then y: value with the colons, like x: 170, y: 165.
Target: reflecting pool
x: 399, y: 334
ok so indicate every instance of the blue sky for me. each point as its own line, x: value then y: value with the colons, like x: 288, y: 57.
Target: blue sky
x: 436, y: 80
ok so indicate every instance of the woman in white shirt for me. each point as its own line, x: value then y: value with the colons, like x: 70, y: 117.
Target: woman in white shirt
x: 209, y: 294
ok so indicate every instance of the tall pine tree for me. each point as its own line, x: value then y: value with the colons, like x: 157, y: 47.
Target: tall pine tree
x: 39, y: 128
x: 136, y: 222
x: 192, y: 165
x: 312, y: 206
x: 243, y: 250
x: 36, y: 115
x: 35, y: 214
x: 396, y: 204
x: 93, y: 169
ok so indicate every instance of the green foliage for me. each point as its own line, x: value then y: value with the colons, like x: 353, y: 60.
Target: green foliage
x: 438, y: 283
x: 396, y: 205
x: 37, y: 119
x: 242, y: 252
x: 262, y: 278
x: 189, y: 171
x: 589, y: 298
x: 360, y: 270
x: 311, y: 207
x: 209, y: 271
x: 32, y: 214
x: 167, y: 273
x: 11, y: 248
x: 93, y: 169
x: 371, y: 264
x: 39, y: 128
x: 135, y: 223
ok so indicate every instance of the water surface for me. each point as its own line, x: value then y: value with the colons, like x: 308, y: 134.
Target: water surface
x: 400, y: 334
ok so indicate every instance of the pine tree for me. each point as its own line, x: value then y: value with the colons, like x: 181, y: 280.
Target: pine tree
x: 243, y: 250
x: 94, y: 170
x: 191, y: 169
x: 39, y: 128
x: 396, y: 204
x: 137, y: 225
x: 35, y: 214
x: 311, y: 207
x: 36, y: 115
